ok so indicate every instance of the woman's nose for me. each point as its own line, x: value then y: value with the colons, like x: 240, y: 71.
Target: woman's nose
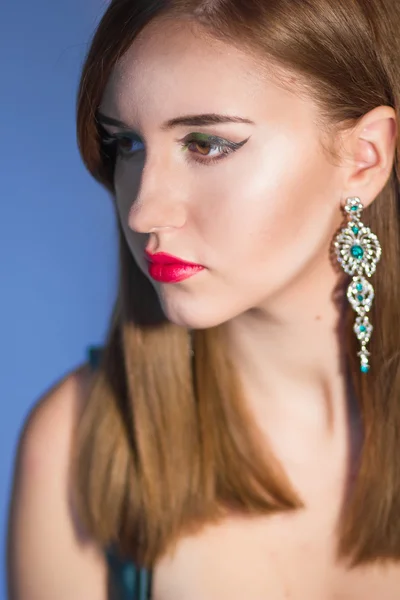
x: 160, y: 203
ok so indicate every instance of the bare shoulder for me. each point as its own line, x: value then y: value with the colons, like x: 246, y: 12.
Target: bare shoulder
x: 50, y: 423
x: 53, y: 414
x: 47, y: 555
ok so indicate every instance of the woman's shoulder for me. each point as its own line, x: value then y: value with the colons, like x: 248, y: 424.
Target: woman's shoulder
x: 41, y: 500
x: 51, y: 421
x: 44, y: 536
x: 59, y: 405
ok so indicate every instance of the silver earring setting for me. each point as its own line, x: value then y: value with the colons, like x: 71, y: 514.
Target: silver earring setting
x: 358, y: 251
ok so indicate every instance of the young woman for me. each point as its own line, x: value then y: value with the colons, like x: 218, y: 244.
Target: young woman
x: 240, y: 436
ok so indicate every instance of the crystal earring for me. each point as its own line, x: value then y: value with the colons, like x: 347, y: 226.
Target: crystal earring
x: 358, y: 251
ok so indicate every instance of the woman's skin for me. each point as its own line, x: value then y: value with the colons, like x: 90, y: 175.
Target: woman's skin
x: 261, y: 221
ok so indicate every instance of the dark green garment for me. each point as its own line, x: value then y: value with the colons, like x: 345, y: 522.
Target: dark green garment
x: 128, y: 582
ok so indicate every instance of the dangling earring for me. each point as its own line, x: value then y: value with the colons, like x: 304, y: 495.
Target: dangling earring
x: 358, y: 251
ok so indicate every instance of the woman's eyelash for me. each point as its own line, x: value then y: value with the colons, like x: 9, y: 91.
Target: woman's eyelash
x: 211, y: 142
x: 121, y: 145
x: 116, y: 142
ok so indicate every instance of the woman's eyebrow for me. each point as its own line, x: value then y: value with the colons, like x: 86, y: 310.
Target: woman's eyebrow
x: 105, y: 120
x: 189, y: 120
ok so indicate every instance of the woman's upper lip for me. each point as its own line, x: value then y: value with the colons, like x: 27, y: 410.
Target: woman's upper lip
x: 163, y: 258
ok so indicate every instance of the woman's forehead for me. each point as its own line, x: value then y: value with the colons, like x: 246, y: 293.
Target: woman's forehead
x: 176, y: 70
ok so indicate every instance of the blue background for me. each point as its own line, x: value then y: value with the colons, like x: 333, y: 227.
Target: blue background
x: 58, y: 258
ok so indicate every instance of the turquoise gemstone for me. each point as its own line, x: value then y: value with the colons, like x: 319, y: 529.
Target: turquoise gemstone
x: 364, y: 368
x: 357, y: 251
x: 360, y: 298
x: 359, y: 287
x: 354, y: 208
x: 355, y: 230
x: 363, y: 328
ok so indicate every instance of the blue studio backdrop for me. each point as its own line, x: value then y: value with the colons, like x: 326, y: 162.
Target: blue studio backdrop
x: 58, y: 240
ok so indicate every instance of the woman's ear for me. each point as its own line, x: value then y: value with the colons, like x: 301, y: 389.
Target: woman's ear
x: 371, y: 149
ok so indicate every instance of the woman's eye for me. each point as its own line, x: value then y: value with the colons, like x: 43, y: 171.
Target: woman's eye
x: 205, y: 148
x: 127, y: 145
x: 212, y: 148
x: 121, y: 145
x: 197, y: 147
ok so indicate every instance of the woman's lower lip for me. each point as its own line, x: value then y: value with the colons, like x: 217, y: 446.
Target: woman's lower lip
x: 172, y: 273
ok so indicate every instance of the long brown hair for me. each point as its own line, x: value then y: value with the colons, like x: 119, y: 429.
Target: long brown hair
x: 165, y: 443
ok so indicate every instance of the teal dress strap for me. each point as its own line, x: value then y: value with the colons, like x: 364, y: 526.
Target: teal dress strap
x: 128, y: 581
x: 94, y: 356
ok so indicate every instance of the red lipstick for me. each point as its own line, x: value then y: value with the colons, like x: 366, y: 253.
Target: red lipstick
x: 170, y: 269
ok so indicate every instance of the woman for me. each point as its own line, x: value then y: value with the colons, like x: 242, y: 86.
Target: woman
x: 240, y: 437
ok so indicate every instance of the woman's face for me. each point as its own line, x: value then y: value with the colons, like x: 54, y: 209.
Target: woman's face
x: 256, y: 208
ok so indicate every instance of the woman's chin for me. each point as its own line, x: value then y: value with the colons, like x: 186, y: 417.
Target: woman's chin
x: 195, y: 316
x: 192, y: 321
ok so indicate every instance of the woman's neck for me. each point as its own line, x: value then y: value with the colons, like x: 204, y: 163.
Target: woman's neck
x: 290, y: 350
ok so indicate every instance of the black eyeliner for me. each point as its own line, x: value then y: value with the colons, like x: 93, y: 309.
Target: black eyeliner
x: 213, y: 139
